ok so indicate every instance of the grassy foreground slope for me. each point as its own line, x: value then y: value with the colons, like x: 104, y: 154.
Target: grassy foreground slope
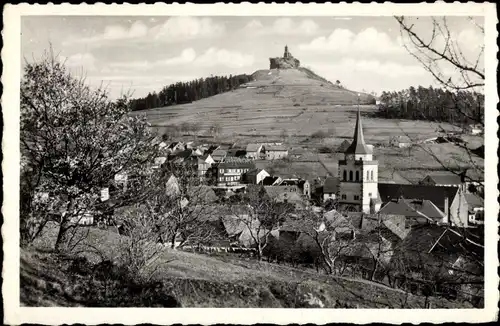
x: 193, y: 280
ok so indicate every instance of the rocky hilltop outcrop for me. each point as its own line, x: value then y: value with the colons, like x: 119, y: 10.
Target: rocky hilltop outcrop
x: 285, y: 62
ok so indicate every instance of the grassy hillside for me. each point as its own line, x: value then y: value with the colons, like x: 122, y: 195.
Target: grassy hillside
x: 291, y: 105
x: 193, y: 280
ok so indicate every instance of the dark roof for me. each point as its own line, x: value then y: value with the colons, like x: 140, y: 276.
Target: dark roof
x: 446, y: 179
x: 268, y: 181
x: 172, y: 145
x: 235, y: 162
x: 253, y: 147
x: 202, y: 194
x: 276, y: 148
x: 254, y: 172
x: 290, y: 182
x: 185, y: 153
x: 413, y: 208
x: 211, y: 149
x: 474, y: 201
x: 343, y: 146
x: 331, y: 185
x: 436, y: 195
x: 358, y: 145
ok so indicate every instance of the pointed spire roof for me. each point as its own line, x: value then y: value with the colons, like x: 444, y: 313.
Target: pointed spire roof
x: 358, y: 145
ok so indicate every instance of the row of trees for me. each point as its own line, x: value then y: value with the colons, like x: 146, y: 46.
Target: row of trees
x: 186, y: 92
x: 434, y: 104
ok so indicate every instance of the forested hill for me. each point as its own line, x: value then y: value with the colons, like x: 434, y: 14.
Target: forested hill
x: 187, y: 92
x: 433, y: 104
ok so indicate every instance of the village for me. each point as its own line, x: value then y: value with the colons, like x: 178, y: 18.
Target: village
x: 429, y: 217
x: 261, y: 188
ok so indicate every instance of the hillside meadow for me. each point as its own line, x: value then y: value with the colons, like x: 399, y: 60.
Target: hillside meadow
x: 293, y: 106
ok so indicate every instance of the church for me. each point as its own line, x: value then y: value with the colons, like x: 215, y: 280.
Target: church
x: 358, y: 189
x: 358, y: 173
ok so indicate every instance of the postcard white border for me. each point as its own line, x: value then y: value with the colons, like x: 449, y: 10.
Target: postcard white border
x: 14, y: 314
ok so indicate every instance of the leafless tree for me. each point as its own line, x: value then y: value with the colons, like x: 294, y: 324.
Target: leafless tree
x: 260, y: 217
x: 332, y: 235
x: 453, y: 67
x: 138, y: 247
x: 181, y: 206
x: 441, y: 50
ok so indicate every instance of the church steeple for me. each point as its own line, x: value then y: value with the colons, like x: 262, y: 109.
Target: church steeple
x: 358, y: 145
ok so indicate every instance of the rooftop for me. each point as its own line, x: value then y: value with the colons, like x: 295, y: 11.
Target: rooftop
x: 437, y: 195
x: 358, y: 145
x: 331, y: 185
x: 446, y: 179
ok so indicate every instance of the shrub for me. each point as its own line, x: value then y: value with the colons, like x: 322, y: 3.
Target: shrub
x: 319, y: 134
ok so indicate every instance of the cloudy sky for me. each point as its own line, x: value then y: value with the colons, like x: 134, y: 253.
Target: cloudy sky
x: 142, y: 54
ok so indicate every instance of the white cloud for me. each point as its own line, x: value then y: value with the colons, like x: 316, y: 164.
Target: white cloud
x: 182, y: 27
x: 345, y: 41
x: 80, y: 60
x: 471, y: 39
x: 172, y: 30
x: 223, y: 57
x: 373, y: 75
x: 359, y: 68
x: 211, y: 57
x: 284, y: 26
x: 254, y: 24
x: 186, y: 56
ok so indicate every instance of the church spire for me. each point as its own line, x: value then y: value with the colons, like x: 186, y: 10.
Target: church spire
x: 358, y: 145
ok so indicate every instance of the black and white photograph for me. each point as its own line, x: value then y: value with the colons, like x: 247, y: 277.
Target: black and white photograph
x: 268, y: 160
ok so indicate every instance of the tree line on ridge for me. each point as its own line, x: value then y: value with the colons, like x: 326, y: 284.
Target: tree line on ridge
x: 186, y: 92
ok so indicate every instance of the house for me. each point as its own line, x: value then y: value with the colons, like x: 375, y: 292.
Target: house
x: 205, y: 162
x: 442, y: 180
x: 180, y: 156
x: 276, y: 152
x: 344, y: 146
x: 254, y: 151
x: 416, y: 211
x: 400, y: 141
x: 304, y: 185
x: 201, y: 194
x: 286, y: 194
x: 230, y: 172
x: 172, y: 187
x: 449, y: 200
x: 159, y: 161
x: 236, y: 152
x: 219, y: 155
x: 176, y: 146
x: 474, y: 129
x: 476, y: 209
x: 330, y: 188
x: 240, y: 225
x: 453, y: 255
x: 85, y: 218
x: 255, y: 176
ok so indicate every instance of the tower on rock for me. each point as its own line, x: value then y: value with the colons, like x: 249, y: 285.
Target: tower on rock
x: 358, y: 174
x: 286, y: 55
x: 287, y: 61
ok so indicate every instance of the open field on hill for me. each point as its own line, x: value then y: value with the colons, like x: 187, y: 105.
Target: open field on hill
x: 290, y: 106
x: 196, y: 280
